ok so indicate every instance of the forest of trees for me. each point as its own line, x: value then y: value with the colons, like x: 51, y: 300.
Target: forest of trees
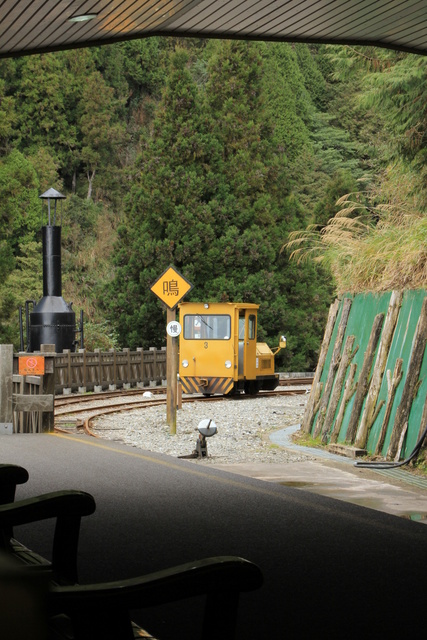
x: 212, y: 156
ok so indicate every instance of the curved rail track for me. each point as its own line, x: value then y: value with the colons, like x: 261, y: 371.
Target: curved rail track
x: 77, y: 411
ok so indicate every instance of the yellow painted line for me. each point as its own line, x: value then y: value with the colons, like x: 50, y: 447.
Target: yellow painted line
x: 184, y: 469
x: 163, y: 463
x: 225, y: 481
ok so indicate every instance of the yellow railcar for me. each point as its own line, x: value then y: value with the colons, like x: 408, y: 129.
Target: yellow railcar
x: 218, y: 351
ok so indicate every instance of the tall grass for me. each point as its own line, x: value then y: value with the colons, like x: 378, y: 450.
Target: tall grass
x: 376, y: 242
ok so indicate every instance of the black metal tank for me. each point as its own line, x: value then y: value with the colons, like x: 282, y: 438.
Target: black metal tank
x: 52, y: 321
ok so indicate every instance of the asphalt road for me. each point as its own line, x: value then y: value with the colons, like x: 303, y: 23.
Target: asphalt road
x: 331, y: 569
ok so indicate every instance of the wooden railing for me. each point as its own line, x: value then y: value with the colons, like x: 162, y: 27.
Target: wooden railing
x: 33, y: 395
x: 27, y: 401
x: 87, y: 370
x: 29, y: 404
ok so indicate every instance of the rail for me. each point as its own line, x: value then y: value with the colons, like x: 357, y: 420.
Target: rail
x: 30, y: 408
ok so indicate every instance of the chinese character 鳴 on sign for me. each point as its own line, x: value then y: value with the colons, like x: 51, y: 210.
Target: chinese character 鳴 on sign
x: 170, y: 287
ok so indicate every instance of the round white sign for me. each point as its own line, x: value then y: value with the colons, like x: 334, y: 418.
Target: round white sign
x: 173, y: 329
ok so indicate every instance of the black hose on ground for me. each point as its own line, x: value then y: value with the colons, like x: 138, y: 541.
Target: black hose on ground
x: 393, y: 465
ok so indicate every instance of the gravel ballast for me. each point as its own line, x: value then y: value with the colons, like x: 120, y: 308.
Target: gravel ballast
x: 243, y: 428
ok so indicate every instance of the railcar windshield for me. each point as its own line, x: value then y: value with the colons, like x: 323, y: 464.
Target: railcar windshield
x: 207, y: 327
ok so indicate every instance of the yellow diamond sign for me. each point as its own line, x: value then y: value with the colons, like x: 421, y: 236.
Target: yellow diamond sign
x: 171, y: 287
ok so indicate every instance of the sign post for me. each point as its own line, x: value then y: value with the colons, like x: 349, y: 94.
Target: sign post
x: 170, y: 288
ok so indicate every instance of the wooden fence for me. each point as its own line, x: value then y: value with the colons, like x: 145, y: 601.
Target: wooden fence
x: 32, y: 398
x: 32, y: 407
x: 86, y: 370
x: 27, y: 401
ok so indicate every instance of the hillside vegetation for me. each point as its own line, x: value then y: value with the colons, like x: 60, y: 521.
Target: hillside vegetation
x: 225, y: 159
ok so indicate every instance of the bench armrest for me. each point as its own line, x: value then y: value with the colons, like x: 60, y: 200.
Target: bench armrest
x: 103, y: 609
x: 67, y: 507
x: 10, y: 476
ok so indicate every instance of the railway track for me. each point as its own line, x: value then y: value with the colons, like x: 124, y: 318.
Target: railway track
x: 77, y: 411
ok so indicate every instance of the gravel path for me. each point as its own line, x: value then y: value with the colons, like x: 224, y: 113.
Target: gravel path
x: 243, y: 429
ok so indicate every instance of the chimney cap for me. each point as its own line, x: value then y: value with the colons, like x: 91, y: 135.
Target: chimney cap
x: 52, y: 193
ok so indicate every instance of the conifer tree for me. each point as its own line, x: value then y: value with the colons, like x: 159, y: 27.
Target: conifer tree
x: 167, y: 220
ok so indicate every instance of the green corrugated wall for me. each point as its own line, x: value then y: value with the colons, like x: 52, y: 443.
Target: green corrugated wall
x: 363, y: 311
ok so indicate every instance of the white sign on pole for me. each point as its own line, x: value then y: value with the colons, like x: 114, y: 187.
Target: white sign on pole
x: 173, y: 329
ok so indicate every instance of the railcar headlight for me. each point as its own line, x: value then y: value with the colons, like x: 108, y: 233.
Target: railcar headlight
x: 185, y: 363
x: 227, y: 364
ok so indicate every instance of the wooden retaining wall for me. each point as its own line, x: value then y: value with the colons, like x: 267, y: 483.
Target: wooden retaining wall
x: 370, y: 386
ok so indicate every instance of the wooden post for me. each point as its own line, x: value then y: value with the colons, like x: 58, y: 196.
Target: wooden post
x: 411, y: 382
x: 371, y: 410
x: 347, y: 356
x: 128, y: 365
x: 179, y: 396
x: 155, y: 375
x: 349, y: 389
x: 98, y: 351
x: 363, y: 382
x: 114, y: 367
x: 82, y: 379
x: 309, y: 413
x: 141, y: 375
x: 6, y: 373
x: 19, y: 415
x: 67, y: 352
x: 423, y: 424
x: 392, y: 384
x: 336, y: 356
x: 171, y: 374
x: 48, y: 420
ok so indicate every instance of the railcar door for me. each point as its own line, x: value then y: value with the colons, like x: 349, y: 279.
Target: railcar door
x: 247, y: 344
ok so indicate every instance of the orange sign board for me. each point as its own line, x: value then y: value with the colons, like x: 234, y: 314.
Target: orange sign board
x: 31, y: 365
x: 171, y: 287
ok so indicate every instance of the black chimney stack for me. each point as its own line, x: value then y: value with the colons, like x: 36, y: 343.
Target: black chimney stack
x: 52, y: 283
x: 52, y: 321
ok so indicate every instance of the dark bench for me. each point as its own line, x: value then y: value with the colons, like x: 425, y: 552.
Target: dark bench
x: 88, y: 612
x: 66, y: 507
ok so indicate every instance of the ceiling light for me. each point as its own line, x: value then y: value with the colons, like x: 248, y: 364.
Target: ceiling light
x: 84, y: 17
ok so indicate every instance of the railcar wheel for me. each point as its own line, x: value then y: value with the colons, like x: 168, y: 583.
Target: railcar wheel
x: 251, y: 388
x: 232, y: 392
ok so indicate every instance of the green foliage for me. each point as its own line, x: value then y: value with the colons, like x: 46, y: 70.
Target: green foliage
x: 20, y: 208
x: 42, y: 116
x: 288, y: 104
x: 401, y: 92
x: 26, y: 280
x: 143, y: 69
x: 211, y: 196
x: 7, y: 117
x: 7, y: 299
x: 101, y: 135
x: 340, y: 184
x: 375, y: 242
x: 207, y: 155
x: 314, y: 81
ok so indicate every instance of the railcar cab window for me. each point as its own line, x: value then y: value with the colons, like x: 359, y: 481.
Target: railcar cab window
x: 251, y: 327
x: 207, y: 327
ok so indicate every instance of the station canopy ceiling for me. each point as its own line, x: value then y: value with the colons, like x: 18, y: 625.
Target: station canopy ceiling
x: 34, y: 26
